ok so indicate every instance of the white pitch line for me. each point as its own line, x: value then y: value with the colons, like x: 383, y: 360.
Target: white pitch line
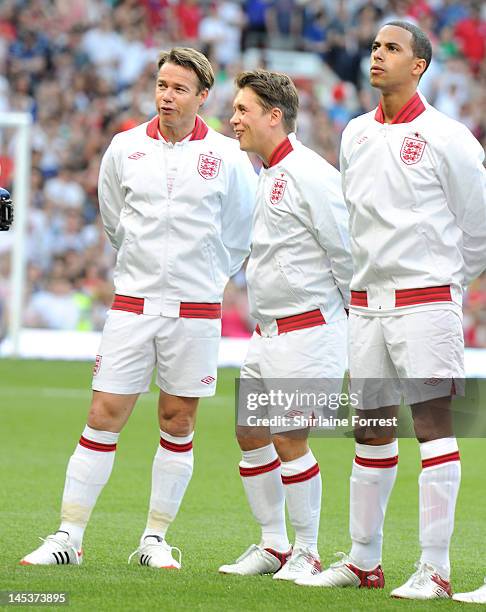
x: 59, y: 392
x: 54, y: 392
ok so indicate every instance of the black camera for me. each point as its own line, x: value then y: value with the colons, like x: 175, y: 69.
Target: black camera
x: 6, y: 210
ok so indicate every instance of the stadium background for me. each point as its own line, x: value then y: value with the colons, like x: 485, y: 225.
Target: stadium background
x: 84, y: 71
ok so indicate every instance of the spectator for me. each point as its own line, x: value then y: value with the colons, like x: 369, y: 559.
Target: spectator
x: 29, y: 53
x: 188, y: 17
x: 471, y: 34
x: 220, y: 32
x: 55, y: 307
x: 134, y: 58
x: 343, y: 55
x: 284, y: 23
x: 63, y: 191
x: 255, y: 32
x: 104, y: 48
x: 315, y: 24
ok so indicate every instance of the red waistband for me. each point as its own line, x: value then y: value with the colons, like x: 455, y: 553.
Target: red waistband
x: 187, y: 310
x: 359, y: 298
x: 299, y: 321
x: 409, y: 297
x: 200, y: 310
x: 128, y: 304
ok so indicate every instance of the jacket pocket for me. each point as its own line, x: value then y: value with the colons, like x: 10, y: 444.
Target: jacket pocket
x: 432, y: 250
x: 285, y: 279
x: 122, y: 257
x: 209, y: 257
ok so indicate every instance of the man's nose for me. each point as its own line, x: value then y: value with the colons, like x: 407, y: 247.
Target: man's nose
x: 377, y: 53
x: 168, y: 94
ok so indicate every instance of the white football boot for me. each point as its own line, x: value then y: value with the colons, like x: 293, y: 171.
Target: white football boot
x: 344, y: 574
x: 257, y: 560
x: 155, y: 552
x: 425, y: 583
x: 301, y: 564
x: 57, y: 549
x: 477, y: 596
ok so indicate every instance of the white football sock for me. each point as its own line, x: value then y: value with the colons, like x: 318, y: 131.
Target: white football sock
x: 171, y: 474
x: 262, y: 481
x: 88, y: 471
x: 438, y: 486
x: 303, y: 488
x: 372, y: 479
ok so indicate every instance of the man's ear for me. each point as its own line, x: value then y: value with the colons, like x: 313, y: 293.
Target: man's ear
x: 276, y: 116
x: 419, y: 67
x: 203, y: 96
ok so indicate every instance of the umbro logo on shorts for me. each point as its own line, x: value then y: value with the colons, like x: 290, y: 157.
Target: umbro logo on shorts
x: 294, y: 413
x: 208, y: 380
x: 137, y: 155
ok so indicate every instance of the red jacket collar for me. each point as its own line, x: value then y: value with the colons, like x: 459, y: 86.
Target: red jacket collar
x: 280, y: 151
x: 410, y: 111
x: 198, y: 133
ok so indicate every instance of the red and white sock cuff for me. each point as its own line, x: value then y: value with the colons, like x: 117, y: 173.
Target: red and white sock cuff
x: 438, y: 452
x: 299, y: 470
x: 384, y: 456
x: 101, y: 441
x: 259, y: 461
x: 176, y: 444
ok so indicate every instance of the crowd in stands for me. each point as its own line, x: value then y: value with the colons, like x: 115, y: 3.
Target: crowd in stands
x: 84, y: 70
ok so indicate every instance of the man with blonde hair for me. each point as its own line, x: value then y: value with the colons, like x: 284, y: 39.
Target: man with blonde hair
x: 176, y: 200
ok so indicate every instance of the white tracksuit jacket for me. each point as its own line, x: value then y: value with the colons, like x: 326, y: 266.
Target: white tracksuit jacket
x: 416, y: 194
x: 178, y: 214
x: 300, y: 258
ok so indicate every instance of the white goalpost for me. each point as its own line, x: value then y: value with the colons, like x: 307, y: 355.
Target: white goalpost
x: 21, y: 122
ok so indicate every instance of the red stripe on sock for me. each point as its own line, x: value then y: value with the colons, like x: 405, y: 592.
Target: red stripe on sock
x: 175, y: 448
x: 303, y: 476
x: 97, y: 446
x: 260, y: 469
x: 441, y: 459
x: 388, y: 462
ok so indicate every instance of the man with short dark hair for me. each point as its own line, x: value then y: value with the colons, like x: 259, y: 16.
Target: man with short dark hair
x: 298, y: 277
x: 176, y: 200
x: 414, y: 184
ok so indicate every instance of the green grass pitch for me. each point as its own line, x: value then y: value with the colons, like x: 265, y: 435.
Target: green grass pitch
x: 43, y: 409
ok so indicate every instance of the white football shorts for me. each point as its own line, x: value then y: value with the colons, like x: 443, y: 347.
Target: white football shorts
x: 418, y: 355
x: 183, y: 351
x: 317, y: 354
